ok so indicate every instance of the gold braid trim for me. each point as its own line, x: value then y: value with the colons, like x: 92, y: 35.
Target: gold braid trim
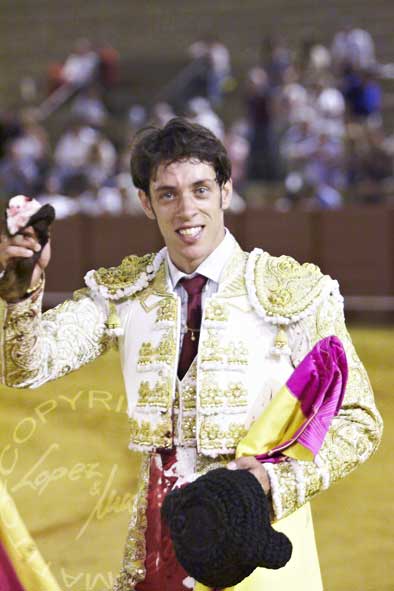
x: 131, y: 276
x: 133, y: 569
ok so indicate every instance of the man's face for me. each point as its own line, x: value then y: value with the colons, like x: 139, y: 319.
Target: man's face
x: 188, y: 205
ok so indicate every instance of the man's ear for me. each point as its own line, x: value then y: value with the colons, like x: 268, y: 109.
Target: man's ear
x: 227, y: 193
x: 146, y: 204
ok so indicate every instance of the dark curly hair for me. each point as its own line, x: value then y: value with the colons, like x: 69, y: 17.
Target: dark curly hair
x: 178, y: 140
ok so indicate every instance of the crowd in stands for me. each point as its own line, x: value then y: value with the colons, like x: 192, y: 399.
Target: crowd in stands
x: 312, y: 125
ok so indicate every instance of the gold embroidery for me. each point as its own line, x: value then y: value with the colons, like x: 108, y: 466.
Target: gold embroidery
x: 216, y: 352
x: 38, y: 348
x: 131, y: 269
x: 167, y: 310
x: 286, y: 288
x: 164, y: 352
x: 189, y: 397
x: 214, y: 437
x: 133, y: 569
x: 188, y: 427
x: 216, y: 311
x: 147, y: 435
x: 211, y: 395
x: 157, y: 396
x: 232, y: 283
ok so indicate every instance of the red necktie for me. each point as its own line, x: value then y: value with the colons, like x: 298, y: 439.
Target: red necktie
x: 194, y: 288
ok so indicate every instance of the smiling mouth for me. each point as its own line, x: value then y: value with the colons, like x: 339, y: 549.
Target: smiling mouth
x: 191, y: 232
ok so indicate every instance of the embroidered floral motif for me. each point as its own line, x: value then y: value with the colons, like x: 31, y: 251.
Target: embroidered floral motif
x: 158, y: 396
x: 167, y: 311
x: 216, y: 312
x: 281, y: 290
x: 147, y: 436
x: 164, y: 353
x: 213, y: 397
x: 218, y: 439
x: 216, y: 353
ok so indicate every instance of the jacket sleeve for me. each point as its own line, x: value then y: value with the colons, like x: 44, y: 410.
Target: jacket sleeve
x: 355, y: 432
x: 36, y: 348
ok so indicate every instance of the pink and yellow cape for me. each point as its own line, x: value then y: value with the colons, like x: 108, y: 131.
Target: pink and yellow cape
x: 294, y: 425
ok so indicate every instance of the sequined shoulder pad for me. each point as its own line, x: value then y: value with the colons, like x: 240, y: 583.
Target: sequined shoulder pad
x: 131, y: 276
x: 283, y: 291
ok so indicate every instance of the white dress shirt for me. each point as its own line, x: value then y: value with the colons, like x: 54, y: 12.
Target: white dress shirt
x: 211, y: 268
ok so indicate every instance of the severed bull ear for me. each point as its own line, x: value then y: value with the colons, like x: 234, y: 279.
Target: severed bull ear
x: 16, y: 280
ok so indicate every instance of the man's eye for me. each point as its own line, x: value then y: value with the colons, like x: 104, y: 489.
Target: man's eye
x: 201, y: 190
x: 167, y: 196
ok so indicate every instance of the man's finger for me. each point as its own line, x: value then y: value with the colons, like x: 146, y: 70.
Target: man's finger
x: 19, y: 251
x: 245, y: 463
x: 26, y: 242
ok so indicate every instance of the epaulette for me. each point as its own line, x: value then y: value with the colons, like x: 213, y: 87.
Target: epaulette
x: 283, y: 291
x: 131, y: 276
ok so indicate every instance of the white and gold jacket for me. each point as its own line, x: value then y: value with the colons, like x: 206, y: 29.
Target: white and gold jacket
x: 266, y: 315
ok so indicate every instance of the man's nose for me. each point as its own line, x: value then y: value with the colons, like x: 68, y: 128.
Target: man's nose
x: 186, y: 205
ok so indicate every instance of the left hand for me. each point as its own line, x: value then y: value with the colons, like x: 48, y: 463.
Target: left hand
x: 254, y: 466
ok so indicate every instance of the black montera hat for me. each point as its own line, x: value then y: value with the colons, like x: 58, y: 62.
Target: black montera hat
x: 220, y: 527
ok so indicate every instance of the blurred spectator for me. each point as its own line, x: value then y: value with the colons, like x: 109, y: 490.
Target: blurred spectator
x: 32, y: 142
x: 200, y: 111
x: 353, y: 48
x: 18, y: 174
x: 369, y: 164
x: 64, y: 206
x: 72, y: 149
x: 100, y: 161
x: 96, y: 201
x: 162, y: 113
x: 131, y: 204
x: 362, y: 93
x: 307, y: 194
x: 217, y: 58
x: 80, y: 68
x: 89, y: 107
x: 10, y: 128
x: 238, y: 149
x: 108, y: 66
x: 264, y: 161
x: 276, y: 59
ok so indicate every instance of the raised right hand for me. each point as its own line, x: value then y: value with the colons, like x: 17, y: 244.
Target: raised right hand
x: 24, y: 246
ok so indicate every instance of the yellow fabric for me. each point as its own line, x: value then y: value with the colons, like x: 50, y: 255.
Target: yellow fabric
x: 276, y: 425
x: 32, y: 571
x: 302, y: 572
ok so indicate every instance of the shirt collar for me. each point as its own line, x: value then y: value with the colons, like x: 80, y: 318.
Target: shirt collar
x: 211, y: 267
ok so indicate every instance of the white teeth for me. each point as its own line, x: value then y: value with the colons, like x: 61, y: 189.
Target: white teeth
x: 190, y: 231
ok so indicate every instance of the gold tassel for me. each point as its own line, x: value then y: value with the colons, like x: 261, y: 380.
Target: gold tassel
x: 113, y: 321
x: 281, y: 346
x: 281, y: 339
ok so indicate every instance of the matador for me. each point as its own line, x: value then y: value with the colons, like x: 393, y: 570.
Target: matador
x: 259, y: 317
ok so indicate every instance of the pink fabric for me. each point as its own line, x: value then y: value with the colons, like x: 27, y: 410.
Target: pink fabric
x: 319, y: 384
x: 8, y: 578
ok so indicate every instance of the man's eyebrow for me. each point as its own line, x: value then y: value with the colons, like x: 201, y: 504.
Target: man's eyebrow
x: 165, y: 188
x: 202, y: 181
x: 173, y: 187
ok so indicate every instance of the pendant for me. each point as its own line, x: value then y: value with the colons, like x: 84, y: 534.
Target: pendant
x: 193, y: 336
